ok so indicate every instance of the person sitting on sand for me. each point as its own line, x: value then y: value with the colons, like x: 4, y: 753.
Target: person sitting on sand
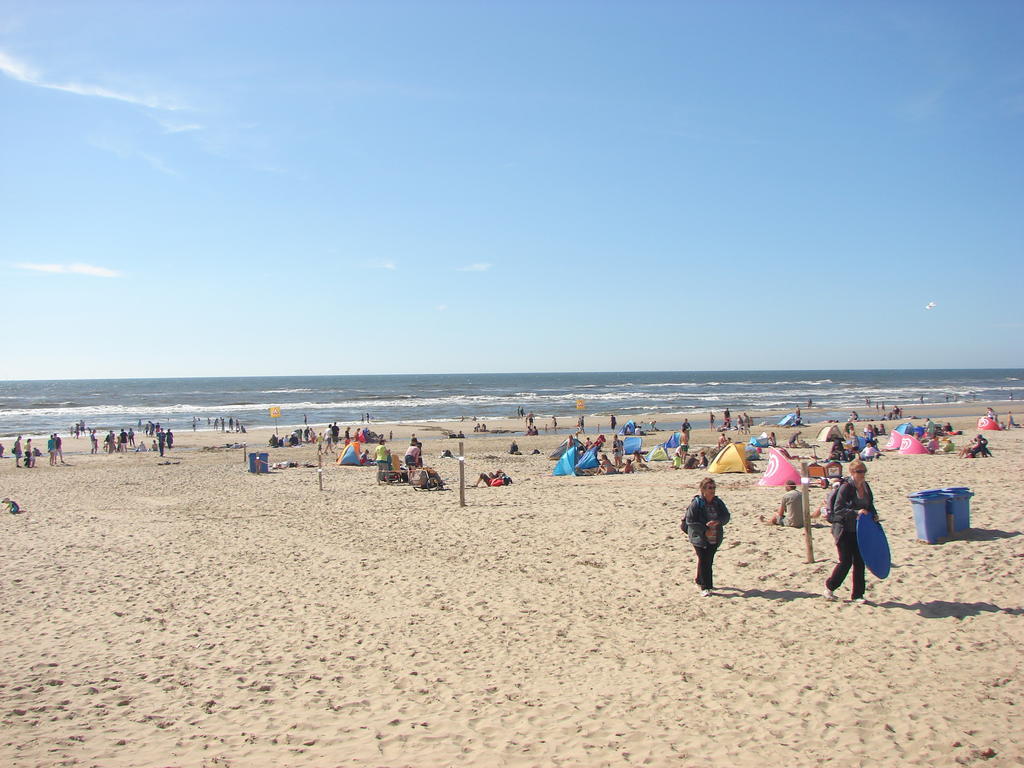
x: 791, y: 509
x: 793, y: 441
x: 514, y: 448
x: 871, y: 451
x: 628, y: 469
x: 12, y: 506
x: 639, y: 462
x: 723, y: 440
x: 977, y: 447
x: 606, y: 467
x: 772, y: 442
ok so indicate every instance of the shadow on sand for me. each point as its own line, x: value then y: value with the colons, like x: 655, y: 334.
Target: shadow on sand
x: 767, y: 594
x: 943, y: 609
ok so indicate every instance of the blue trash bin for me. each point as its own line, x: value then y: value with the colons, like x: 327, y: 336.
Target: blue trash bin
x: 958, y: 504
x: 259, y: 463
x: 929, y: 515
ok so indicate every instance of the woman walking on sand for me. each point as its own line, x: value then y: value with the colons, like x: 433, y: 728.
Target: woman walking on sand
x: 705, y: 517
x: 852, y: 500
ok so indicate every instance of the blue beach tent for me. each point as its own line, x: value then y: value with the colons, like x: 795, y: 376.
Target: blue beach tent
x: 632, y: 445
x: 672, y: 442
x: 904, y: 429
x: 788, y: 420
x: 629, y: 428
x: 567, y: 464
x: 588, y: 460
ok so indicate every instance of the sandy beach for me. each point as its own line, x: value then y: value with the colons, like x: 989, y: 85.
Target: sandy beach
x: 183, y: 612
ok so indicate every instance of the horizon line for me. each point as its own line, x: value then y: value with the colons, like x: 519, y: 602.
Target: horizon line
x: 512, y: 373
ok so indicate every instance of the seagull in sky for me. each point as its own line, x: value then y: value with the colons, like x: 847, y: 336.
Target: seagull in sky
x: 930, y: 305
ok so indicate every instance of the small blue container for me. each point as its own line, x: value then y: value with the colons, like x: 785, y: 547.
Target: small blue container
x: 929, y: 515
x: 259, y: 463
x: 958, y: 504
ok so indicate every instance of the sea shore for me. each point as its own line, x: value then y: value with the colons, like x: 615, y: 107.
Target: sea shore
x: 181, y: 611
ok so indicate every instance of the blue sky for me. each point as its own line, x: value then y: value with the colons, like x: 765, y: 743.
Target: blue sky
x: 227, y: 188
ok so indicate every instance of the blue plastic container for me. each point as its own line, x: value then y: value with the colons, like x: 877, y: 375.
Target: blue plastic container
x: 259, y: 463
x: 958, y: 504
x: 929, y: 515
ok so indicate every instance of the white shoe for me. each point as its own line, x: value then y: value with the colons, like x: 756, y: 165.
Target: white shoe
x: 705, y: 593
x: 828, y: 594
x: 859, y: 601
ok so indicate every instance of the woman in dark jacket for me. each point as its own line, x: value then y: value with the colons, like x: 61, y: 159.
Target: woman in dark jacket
x: 852, y: 499
x: 703, y: 523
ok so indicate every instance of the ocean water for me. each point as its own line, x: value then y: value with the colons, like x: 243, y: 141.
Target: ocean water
x: 40, y: 407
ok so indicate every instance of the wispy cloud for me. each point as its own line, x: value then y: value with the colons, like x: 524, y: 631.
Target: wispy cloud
x: 388, y: 265
x: 442, y: 307
x: 170, y: 127
x: 22, y: 72
x: 480, y: 267
x: 71, y: 269
x: 157, y: 164
x: 124, y: 148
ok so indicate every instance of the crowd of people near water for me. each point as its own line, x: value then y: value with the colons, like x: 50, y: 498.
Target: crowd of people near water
x: 854, y: 443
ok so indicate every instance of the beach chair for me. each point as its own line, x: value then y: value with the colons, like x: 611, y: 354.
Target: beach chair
x: 815, y: 470
x: 394, y: 474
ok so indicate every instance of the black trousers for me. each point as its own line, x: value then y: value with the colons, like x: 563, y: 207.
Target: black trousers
x: 705, y: 560
x: 849, y: 555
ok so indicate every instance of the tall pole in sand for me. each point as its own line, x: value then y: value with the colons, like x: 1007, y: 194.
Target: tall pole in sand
x: 805, y: 483
x: 320, y: 469
x: 462, y: 474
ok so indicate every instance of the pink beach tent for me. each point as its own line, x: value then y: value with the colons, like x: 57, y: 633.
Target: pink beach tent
x: 779, y: 470
x: 895, y: 440
x: 911, y: 445
x: 986, y: 423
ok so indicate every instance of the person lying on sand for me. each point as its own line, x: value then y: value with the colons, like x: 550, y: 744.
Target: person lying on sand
x: 493, y: 479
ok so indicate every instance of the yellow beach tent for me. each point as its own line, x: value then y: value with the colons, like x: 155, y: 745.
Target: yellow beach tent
x: 730, y: 459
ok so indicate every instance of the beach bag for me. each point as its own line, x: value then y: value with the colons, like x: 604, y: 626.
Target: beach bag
x: 848, y: 518
x: 425, y: 479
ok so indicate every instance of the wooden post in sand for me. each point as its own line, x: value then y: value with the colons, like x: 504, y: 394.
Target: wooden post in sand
x: 245, y: 454
x: 462, y: 474
x: 805, y: 488
x: 320, y: 469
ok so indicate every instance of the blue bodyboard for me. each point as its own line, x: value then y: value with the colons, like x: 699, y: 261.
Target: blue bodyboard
x: 874, y: 547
